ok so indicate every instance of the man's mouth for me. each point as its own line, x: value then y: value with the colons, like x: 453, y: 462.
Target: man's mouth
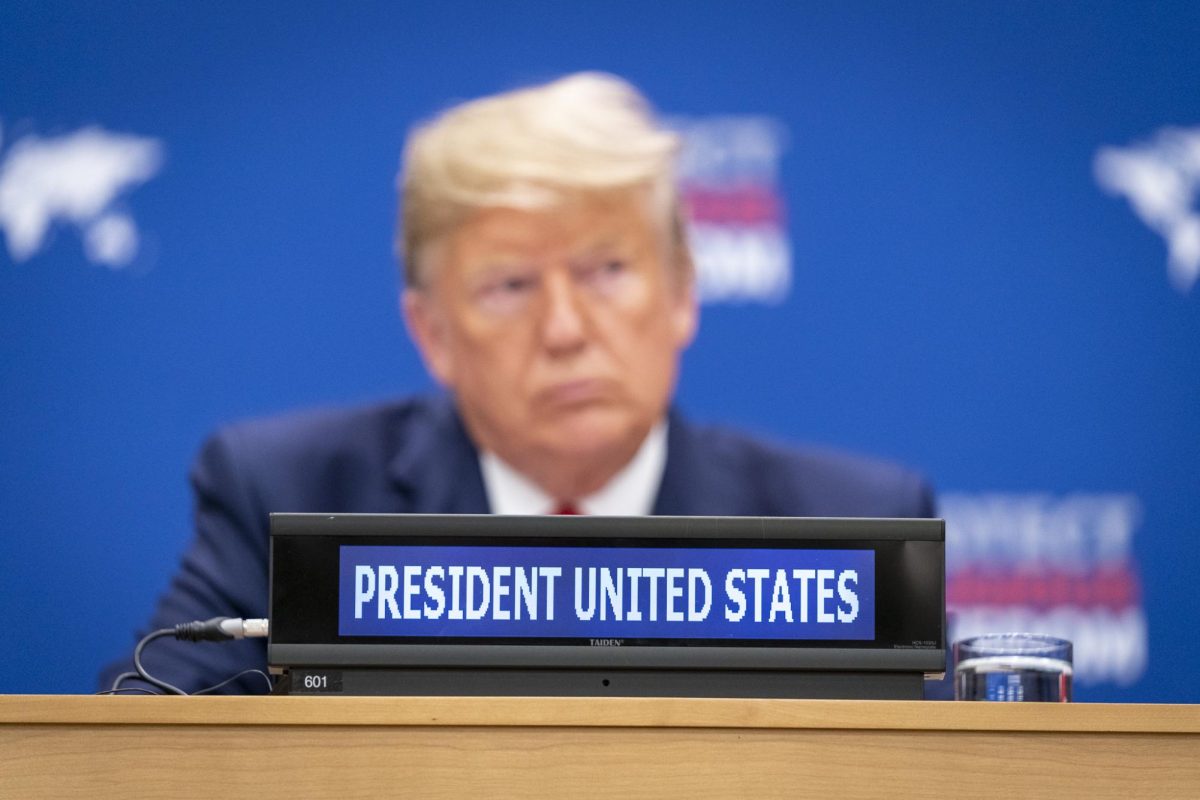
x: 582, y: 391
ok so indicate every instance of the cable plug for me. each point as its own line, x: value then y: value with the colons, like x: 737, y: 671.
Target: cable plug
x: 219, y: 629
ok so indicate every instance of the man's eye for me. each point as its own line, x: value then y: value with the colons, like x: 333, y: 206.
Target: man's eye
x: 506, y: 294
x: 514, y: 284
x: 604, y: 272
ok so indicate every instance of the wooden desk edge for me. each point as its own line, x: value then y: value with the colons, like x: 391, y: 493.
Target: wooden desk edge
x: 602, y: 712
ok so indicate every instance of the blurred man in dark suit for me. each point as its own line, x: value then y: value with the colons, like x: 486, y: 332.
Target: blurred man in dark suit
x: 549, y: 288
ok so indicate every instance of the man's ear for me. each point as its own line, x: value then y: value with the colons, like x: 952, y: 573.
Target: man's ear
x: 685, y: 313
x: 685, y: 318
x: 427, y: 328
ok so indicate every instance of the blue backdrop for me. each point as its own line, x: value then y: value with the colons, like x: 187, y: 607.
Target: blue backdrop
x: 969, y: 289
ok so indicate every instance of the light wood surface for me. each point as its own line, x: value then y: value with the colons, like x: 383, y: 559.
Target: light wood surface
x: 358, y: 747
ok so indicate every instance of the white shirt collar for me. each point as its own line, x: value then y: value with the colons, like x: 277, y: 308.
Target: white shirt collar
x: 631, y: 492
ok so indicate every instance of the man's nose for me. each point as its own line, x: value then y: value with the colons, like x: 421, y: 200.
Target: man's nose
x: 564, y: 322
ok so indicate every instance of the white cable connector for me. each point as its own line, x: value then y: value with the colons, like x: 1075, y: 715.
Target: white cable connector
x: 222, y: 628
x: 238, y: 628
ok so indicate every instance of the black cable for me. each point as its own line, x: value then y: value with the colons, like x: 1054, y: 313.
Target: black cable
x: 216, y: 629
x: 227, y: 681
x: 141, y: 671
x: 117, y: 688
x: 117, y: 681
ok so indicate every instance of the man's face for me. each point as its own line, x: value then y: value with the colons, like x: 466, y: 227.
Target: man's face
x: 558, y: 331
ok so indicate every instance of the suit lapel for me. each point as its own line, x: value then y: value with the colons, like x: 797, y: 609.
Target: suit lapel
x: 699, y: 479
x: 435, y: 467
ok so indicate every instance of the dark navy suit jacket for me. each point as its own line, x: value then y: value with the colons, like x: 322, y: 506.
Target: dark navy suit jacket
x: 414, y: 456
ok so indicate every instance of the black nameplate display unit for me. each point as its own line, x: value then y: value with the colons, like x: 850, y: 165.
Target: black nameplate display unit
x: 367, y: 604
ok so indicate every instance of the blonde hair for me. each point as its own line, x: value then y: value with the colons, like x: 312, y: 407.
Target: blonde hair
x: 531, y: 149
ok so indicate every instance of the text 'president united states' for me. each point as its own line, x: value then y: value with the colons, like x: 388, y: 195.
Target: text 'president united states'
x: 606, y: 592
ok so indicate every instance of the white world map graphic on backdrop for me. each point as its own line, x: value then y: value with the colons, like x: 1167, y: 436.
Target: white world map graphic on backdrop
x: 1161, y: 180
x: 74, y: 178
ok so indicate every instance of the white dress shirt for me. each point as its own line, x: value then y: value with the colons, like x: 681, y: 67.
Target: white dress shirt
x: 630, y: 493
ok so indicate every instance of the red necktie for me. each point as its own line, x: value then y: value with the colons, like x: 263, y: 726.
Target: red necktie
x: 567, y: 508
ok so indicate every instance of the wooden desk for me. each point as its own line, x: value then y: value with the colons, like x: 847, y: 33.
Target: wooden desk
x: 361, y: 747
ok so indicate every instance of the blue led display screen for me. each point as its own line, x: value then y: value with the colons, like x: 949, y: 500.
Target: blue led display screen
x: 603, y: 592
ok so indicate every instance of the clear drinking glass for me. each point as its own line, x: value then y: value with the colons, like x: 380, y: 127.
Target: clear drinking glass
x: 1013, y: 667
